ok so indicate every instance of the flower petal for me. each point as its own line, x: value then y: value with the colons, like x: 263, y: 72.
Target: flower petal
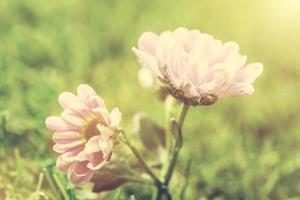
x: 65, y: 99
x: 92, y: 145
x: 240, y: 89
x: 65, y: 160
x: 105, y: 132
x: 55, y: 123
x: 79, y: 174
x: 85, y: 91
x: 95, y: 101
x: 115, y: 117
x: 80, y: 180
x: 148, y: 42
x: 62, y: 165
x: 72, y: 118
x: 66, y: 136
x: 147, y: 61
x: 249, y: 73
x: 61, y: 148
x: 103, y: 113
x: 106, y: 147
x: 96, y: 161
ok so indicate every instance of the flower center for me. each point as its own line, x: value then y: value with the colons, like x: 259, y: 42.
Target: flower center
x: 208, y: 100
x: 89, y: 128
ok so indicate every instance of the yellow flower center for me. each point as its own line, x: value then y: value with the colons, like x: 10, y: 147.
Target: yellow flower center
x: 89, y: 128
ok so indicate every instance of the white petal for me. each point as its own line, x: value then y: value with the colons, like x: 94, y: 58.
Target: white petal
x: 249, y: 73
x: 147, y: 61
x: 103, y: 113
x: 148, y: 42
x: 92, y: 145
x: 115, y: 117
x: 105, y: 132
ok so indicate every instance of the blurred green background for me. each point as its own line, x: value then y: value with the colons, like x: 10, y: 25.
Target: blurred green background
x: 242, y: 148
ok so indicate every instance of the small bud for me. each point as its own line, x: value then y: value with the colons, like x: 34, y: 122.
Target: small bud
x: 175, y: 127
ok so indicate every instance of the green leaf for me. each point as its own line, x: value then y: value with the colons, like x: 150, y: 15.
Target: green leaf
x: 111, y: 177
x: 151, y: 134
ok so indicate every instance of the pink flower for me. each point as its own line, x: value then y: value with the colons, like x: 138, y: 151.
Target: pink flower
x: 84, y: 134
x: 197, y: 68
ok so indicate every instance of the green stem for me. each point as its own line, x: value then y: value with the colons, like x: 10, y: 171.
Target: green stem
x: 163, y: 192
x: 141, y: 160
x: 187, y: 178
x: 182, y: 114
x: 178, y: 144
x: 40, y: 182
x: 49, y: 177
x: 61, y: 186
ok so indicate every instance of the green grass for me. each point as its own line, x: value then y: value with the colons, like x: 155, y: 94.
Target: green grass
x: 242, y: 148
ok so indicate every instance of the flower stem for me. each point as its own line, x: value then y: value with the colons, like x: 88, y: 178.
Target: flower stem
x: 178, y: 144
x: 163, y: 192
x: 136, y: 153
x: 187, y: 178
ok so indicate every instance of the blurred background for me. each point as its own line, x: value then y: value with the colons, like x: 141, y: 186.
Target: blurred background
x: 241, y: 148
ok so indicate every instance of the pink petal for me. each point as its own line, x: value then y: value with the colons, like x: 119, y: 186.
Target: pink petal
x: 182, y: 35
x: 82, y: 156
x: 66, y: 136
x: 240, y: 89
x: 65, y: 160
x: 249, y: 73
x: 147, y: 61
x: 92, y: 145
x: 61, y: 148
x: 79, y: 174
x: 95, y: 101
x: 79, y: 168
x: 65, y: 99
x: 72, y: 118
x: 80, y: 109
x: 103, y: 113
x: 55, y: 123
x: 80, y: 180
x: 148, y: 42
x: 62, y: 165
x: 85, y: 91
x: 72, y: 155
x: 96, y: 161
x: 230, y: 49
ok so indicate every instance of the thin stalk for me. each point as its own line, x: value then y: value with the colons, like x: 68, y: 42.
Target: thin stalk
x: 182, y: 114
x: 141, y: 160
x: 163, y: 192
x: 187, y: 173
x: 40, y: 182
x: 178, y: 144
x: 61, y: 186
x: 49, y: 177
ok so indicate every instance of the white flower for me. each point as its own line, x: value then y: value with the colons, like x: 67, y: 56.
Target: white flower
x: 196, y: 67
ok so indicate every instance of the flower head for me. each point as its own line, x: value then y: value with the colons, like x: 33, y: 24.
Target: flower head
x: 84, y: 133
x: 197, y: 68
